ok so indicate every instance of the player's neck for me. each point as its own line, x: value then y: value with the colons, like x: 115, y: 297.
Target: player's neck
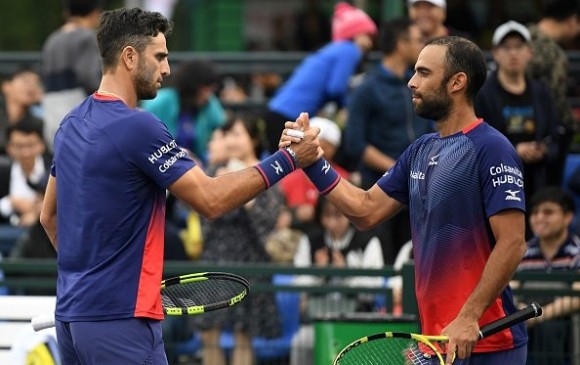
x: 112, y: 87
x: 458, y: 119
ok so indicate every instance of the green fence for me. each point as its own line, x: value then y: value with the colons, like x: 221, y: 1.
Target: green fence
x: 331, y: 329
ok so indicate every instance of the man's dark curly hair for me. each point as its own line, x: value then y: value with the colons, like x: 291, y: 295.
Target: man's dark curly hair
x: 128, y: 27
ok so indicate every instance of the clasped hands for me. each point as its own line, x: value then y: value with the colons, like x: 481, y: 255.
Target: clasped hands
x: 306, y: 149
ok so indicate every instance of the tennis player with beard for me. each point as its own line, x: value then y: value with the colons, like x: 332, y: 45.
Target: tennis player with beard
x: 104, y: 208
x: 464, y: 189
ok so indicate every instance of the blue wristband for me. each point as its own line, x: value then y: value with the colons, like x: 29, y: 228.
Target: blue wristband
x: 323, y: 176
x: 275, y: 167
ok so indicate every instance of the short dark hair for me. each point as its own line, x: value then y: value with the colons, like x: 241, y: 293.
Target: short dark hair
x: 560, y: 10
x: 553, y: 194
x: 462, y: 55
x: 193, y: 75
x: 81, y: 7
x: 391, y: 32
x: 27, y: 125
x: 128, y: 27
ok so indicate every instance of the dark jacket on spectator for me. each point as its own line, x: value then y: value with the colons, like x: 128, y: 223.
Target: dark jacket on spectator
x: 488, y: 105
x: 380, y: 113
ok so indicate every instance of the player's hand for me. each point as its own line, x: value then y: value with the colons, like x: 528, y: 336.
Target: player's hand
x: 307, y: 149
x: 463, y: 333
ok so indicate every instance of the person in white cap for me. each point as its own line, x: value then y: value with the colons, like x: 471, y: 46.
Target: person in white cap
x: 430, y: 16
x: 520, y: 107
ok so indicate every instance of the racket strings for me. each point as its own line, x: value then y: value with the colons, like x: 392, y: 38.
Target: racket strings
x: 200, y: 293
x: 387, y: 351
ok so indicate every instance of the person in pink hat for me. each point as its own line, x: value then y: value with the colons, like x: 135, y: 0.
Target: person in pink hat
x: 323, y: 76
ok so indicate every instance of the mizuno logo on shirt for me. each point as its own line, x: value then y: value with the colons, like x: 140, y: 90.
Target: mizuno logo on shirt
x: 277, y: 168
x: 433, y: 160
x: 512, y: 195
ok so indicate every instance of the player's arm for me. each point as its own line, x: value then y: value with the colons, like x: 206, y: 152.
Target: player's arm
x: 508, y: 229
x: 213, y: 196
x: 365, y: 209
x: 48, y: 212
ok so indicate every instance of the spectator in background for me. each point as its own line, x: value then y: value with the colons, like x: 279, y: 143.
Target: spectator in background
x: 312, y: 27
x: 190, y: 108
x: 381, y: 121
x: 335, y: 244
x: 553, y: 249
x: 519, y: 107
x: 430, y: 16
x: 559, y: 25
x: 301, y: 195
x: 22, y: 182
x: 240, y: 236
x: 25, y: 181
x: 71, y: 63
x: 323, y: 76
x: 21, y: 90
x: 217, y: 152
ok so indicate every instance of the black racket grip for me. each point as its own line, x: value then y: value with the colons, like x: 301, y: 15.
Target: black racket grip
x: 531, y: 311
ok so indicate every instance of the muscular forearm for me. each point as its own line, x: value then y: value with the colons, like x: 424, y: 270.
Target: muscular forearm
x: 497, y: 273
x: 222, y: 198
x: 365, y: 209
x: 212, y: 197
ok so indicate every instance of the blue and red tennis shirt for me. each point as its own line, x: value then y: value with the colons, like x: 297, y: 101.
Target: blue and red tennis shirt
x: 452, y: 186
x: 112, y: 165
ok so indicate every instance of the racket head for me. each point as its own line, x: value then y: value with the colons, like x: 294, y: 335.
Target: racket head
x: 202, y: 292
x: 392, y: 348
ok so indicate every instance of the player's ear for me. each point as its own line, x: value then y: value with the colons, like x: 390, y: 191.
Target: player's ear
x: 458, y: 82
x: 129, y: 57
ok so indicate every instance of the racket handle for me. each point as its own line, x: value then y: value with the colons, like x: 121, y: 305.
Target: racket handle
x: 43, y: 321
x: 531, y: 311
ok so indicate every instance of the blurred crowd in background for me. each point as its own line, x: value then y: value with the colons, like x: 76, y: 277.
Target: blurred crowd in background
x: 352, y: 83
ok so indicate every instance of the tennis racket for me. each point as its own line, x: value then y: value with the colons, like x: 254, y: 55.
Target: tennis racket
x: 187, y: 295
x: 393, y: 348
